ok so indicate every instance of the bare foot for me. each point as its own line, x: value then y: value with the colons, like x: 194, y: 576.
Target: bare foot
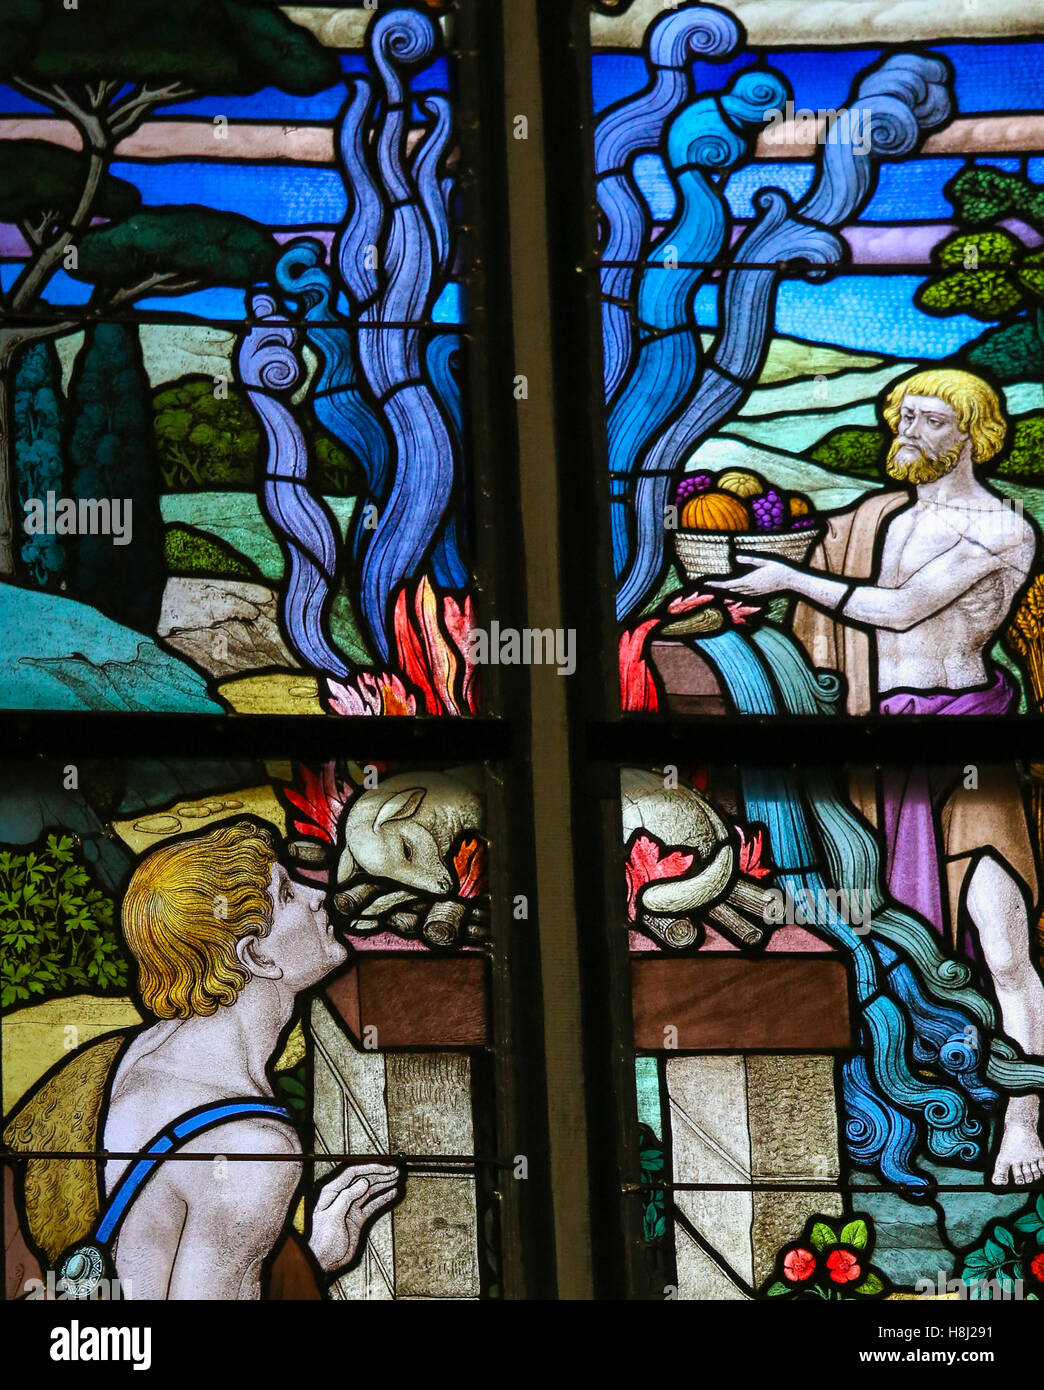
x: 1020, y: 1159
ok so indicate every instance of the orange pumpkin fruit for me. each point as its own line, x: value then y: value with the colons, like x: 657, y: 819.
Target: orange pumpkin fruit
x: 715, y: 511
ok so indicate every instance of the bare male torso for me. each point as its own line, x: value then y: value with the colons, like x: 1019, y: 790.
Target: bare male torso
x: 945, y: 650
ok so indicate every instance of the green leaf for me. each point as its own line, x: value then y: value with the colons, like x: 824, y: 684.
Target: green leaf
x: 822, y: 1236
x: 855, y: 1234
x: 774, y: 1290
x: 870, y: 1285
x: 994, y: 1252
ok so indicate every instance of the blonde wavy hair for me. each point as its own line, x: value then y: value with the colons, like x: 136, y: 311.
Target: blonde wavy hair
x: 976, y: 404
x: 185, y: 908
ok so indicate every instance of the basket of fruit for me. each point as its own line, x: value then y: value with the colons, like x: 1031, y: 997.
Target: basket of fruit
x: 738, y: 512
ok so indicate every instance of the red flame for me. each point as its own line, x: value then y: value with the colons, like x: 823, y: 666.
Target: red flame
x: 637, y: 687
x: 646, y: 863
x: 470, y: 865
x: 322, y: 796
x: 436, y: 654
x: 750, y: 855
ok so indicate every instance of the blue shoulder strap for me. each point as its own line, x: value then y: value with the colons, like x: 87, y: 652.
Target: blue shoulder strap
x: 172, y: 1138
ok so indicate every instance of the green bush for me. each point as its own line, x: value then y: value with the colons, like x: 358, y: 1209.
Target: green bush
x: 56, y: 929
x: 1024, y: 462
x: 1012, y: 353
x: 209, y: 442
x: 192, y: 552
x: 861, y: 452
x: 853, y: 449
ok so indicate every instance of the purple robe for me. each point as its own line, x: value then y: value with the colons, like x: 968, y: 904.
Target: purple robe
x: 913, y: 795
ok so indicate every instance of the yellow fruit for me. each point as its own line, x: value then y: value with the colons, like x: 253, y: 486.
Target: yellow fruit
x: 715, y: 511
x: 741, y: 483
x: 799, y: 506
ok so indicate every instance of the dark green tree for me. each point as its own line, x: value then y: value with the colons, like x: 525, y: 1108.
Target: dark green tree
x: 987, y: 272
x: 110, y: 456
x: 107, y: 66
x: 38, y: 411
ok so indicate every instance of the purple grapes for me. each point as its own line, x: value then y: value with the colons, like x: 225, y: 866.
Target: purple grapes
x: 768, y: 510
x: 690, y: 485
x: 802, y: 523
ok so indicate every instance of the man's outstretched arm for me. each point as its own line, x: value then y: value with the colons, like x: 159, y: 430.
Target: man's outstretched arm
x: 928, y: 591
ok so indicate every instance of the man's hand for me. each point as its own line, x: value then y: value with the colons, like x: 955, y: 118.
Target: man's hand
x: 765, y: 577
x: 346, y: 1204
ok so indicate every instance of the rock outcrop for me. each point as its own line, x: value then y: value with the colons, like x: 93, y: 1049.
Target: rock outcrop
x: 225, y: 626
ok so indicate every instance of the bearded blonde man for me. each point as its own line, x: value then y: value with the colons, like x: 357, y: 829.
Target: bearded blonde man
x: 905, y: 596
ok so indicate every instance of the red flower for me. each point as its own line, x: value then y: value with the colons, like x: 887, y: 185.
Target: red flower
x: 645, y: 863
x: 799, y: 1265
x: 1037, y: 1266
x: 843, y: 1266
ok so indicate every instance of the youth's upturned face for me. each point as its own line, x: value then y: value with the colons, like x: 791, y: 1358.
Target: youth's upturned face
x: 301, y: 941
x: 928, y: 441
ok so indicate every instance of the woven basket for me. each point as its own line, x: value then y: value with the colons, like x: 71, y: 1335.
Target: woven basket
x: 712, y: 554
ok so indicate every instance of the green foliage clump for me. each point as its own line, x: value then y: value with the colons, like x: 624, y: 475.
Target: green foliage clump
x: 987, y: 272
x: 210, y: 441
x: 1012, y: 353
x: 1024, y: 462
x: 1009, y: 1253
x: 191, y: 552
x: 38, y: 177
x: 852, y: 449
x: 983, y: 194
x: 169, y: 249
x: 861, y: 452
x: 56, y: 929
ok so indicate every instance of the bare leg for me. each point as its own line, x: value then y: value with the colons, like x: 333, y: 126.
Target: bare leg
x: 998, y: 911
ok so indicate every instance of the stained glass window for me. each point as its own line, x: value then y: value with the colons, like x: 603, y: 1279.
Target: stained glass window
x: 835, y: 1030
x: 792, y: 254
x: 247, y: 444
x: 810, y: 256
x: 170, y: 947
x: 656, y: 388
x: 247, y: 230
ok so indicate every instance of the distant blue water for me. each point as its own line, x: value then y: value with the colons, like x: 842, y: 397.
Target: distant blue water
x: 278, y: 195
x: 269, y: 104
x: 219, y: 303
x: 994, y: 77
x: 871, y: 313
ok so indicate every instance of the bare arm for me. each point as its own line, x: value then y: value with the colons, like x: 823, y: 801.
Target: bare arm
x: 933, y: 587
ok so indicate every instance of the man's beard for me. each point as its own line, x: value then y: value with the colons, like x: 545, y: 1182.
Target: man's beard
x: 923, y: 468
